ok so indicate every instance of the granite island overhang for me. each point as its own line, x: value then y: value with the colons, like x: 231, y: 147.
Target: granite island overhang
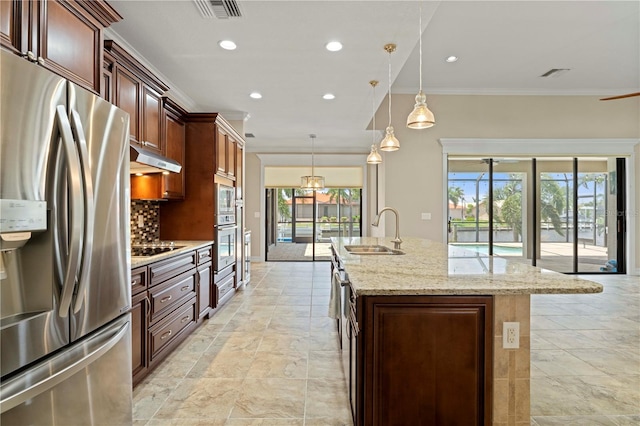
x: 424, y: 332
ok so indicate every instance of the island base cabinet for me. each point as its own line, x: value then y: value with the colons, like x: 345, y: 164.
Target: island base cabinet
x: 422, y: 360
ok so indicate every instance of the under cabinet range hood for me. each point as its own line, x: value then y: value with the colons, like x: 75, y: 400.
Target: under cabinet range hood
x: 145, y: 161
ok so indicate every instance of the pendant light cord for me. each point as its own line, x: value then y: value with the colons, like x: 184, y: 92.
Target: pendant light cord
x: 373, y: 113
x: 389, y: 88
x: 420, y: 33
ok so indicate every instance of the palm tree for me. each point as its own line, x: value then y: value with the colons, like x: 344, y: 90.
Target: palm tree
x: 284, y: 209
x: 552, y: 202
x: 511, y: 210
x: 455, y: 195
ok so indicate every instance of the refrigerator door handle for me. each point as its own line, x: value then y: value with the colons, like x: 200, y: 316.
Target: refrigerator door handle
x: 59, y: 369
x: 76, y: 228
x: 81, y: 141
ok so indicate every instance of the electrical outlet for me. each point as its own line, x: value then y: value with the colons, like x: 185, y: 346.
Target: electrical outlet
x: 511, y: 335
x: 425, y: 216
x: 140, y: 221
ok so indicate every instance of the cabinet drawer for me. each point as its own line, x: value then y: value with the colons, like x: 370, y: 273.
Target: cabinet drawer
x: 225, y: 286
x: 165, y: 269
x: 138, y: 280
x: 205, y: 254
x: 163, y: 333
x: 166, y: 297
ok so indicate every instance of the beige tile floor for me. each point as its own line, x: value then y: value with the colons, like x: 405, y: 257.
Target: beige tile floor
x: 270, y: 357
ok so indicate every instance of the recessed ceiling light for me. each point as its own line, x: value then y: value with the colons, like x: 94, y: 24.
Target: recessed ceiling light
x: 227, y: 45
x: 452, y: 58
x: 334, y: 46
x: 328, y: 96
x: 255, y: 95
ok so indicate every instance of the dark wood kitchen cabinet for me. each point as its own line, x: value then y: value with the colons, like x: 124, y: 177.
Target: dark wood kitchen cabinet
x: 160, y: 186
x: 165, y: 305
x: 194, y: 217
x: 225, y: 152
x: 206, y: 287
x: 174, y: 134
x: 139, y: 92
x: 63, y: 36
x: 420, y: 360
x: 139, y: 323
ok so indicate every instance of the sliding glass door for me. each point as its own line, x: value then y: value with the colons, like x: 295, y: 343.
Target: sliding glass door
x: 563, y: 214
x: 306, y: 221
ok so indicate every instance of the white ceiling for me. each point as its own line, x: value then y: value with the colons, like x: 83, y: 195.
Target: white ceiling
x: 504, y: 46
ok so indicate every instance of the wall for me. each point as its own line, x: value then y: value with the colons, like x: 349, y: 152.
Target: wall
x: 253, y: 200
x: 636, y: 184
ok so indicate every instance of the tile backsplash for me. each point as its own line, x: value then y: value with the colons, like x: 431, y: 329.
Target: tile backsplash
x: 147, y: 229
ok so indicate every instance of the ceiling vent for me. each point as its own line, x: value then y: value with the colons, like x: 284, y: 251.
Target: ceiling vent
x: 249, y: 135
x: 221, y: 9
x: 556, y: 72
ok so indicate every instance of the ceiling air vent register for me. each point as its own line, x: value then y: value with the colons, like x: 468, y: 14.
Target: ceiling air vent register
x: 221, y: 9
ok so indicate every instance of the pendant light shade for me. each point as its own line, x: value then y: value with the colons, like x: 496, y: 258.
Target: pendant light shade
x: 314, y: 183
x: 390, y: 142
x: 374, y: 156
x: 421, y: 117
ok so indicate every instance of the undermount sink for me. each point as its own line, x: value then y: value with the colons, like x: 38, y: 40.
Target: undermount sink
x: 364, y: 249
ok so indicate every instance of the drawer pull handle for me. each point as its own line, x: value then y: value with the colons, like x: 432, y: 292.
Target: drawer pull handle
x: 165, y: 335
x: 184, y: 288
x: 134, y: 282
x: 185, y: 319
x: 202, y: 255
x: 166, y: 299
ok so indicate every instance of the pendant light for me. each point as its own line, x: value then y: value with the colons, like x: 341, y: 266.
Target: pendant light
x: 421, y: 117
x: 313, y: 182
x: 374, y: 156
x: 389, y: 143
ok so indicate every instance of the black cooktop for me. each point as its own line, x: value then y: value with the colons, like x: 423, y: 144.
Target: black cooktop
x: 151, y: 251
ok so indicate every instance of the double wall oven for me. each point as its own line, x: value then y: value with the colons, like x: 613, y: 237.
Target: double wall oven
x: 225, y: 225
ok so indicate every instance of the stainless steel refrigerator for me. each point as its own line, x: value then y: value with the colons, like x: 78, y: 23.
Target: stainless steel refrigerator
x: 65, y: 339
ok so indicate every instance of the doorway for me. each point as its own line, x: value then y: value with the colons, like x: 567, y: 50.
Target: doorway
x: 300, y: 223
x: 558, y: 213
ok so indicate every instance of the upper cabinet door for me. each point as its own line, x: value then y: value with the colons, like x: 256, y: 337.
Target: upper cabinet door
x: 174, y: 134
x: 239, y: 171
x: 221, y: 151
x: 151, y: 124
x: 13, y: 25
x: 127, y: 97
x: 231, y: 156
x: 71, y: 44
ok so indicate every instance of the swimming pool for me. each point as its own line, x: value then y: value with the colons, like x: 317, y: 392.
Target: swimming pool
x: 497, y: 249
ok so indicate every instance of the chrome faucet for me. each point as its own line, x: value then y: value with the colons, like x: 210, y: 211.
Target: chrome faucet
x: 396, y: 241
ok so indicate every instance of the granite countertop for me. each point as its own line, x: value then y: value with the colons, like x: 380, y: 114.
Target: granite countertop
x: 184, y: 247
x: 430, y: 267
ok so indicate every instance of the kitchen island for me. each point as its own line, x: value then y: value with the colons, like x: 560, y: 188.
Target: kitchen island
x: 422, y: 332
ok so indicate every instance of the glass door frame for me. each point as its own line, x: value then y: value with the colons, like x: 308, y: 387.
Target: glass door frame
x: 533, y: 220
